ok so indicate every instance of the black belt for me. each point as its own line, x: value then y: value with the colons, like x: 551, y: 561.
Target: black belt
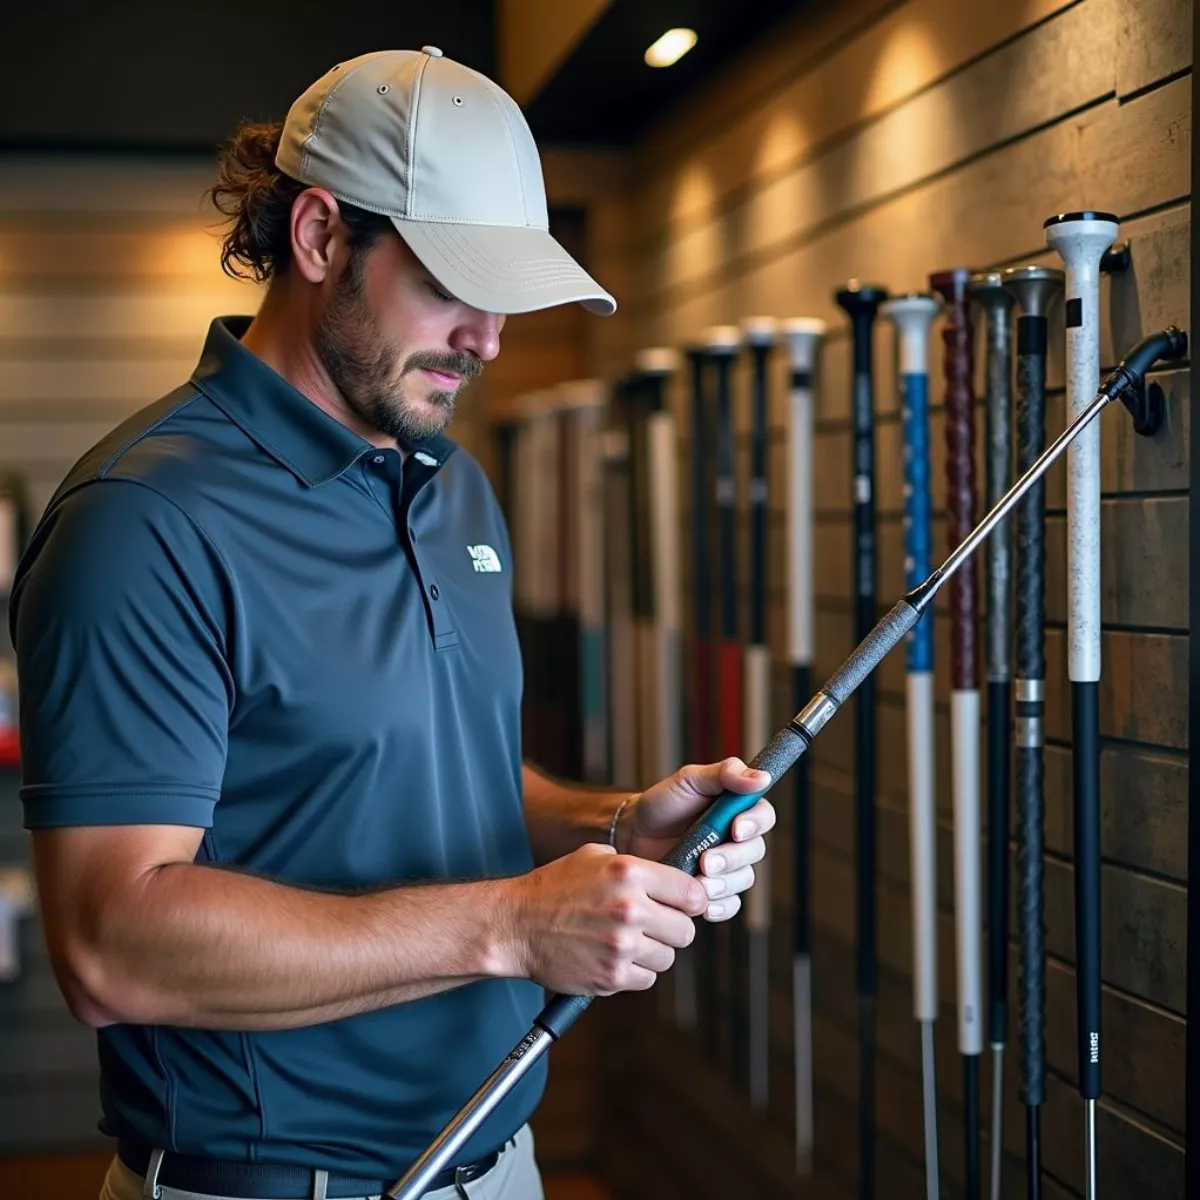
x: 274, y: 1181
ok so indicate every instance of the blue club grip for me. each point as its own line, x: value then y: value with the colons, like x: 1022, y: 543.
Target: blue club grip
x: 918, y: 508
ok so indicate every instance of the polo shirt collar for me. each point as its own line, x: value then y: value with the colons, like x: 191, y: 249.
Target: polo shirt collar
x: 314, y: 446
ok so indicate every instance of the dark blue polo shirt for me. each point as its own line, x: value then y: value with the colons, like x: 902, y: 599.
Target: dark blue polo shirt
x: 236, y: 614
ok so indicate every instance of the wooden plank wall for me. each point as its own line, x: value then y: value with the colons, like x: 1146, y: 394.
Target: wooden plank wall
x: 109, y: 277
x: 883, y: 141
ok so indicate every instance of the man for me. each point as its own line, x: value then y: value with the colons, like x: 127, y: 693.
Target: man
x: 291, y: 866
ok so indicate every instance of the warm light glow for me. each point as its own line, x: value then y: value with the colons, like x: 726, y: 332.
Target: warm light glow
x: 671, y: 47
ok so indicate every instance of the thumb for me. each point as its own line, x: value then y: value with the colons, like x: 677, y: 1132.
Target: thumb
x: 730, y: 774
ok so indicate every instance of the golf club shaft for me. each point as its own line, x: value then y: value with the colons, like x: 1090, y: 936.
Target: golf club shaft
x: 759, y: 334
x: 913, y: 317
x: 700, y: 976
x: 777, y: 758
x: 803, y: 336
x: 1033, y: 288
x: 723, y: 345
x: 988, y: 291
x: 957, y: 337
x: 663, y: 570
x: 861, y: 303
x: 1081, y: 240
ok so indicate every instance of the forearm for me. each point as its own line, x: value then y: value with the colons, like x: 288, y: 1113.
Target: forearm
x: 561, y: 816
x: 207, y: 947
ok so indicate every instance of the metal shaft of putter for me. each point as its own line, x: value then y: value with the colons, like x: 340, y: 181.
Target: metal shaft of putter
x: 776, y: 758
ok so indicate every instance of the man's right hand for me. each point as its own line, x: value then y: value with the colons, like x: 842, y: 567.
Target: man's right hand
x: 596, y: 922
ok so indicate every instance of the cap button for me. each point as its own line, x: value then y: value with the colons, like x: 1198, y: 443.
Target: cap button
x: 432, y: 51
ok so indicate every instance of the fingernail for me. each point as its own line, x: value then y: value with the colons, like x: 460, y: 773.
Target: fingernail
x: 716, y: 864
x: 716, y: 910
x: 745, y: 830
x: 717, y: 887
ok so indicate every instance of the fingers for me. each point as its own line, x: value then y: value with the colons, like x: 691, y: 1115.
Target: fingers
x: 758, y: 820
x: 730, y: 774
x: 732, y: 856
x: 670, y: 886
x: 729, y: 884
x: 722, y: 910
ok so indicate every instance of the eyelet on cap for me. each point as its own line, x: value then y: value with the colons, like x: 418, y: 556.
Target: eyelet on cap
x: 459, y: 101
x: 382, y: 89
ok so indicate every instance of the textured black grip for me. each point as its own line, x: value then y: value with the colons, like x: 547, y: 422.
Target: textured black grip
x: 865, y: 657
x: 1031, y: 512
x: 1028, y: 760
x: 1031, y: 917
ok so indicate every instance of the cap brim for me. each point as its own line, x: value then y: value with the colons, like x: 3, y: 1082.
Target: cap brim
x: 503, y: 268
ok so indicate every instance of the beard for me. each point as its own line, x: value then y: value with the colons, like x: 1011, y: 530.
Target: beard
x: 365, y: 369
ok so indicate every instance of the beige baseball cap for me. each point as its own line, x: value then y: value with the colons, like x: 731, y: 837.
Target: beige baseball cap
x: 448, y: 155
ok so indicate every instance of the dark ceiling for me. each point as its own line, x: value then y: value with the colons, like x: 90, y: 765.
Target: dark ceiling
x: 178, y: 75
x: 605, y: 93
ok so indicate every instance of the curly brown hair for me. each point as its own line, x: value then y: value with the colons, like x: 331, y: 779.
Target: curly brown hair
x: 257, y: 197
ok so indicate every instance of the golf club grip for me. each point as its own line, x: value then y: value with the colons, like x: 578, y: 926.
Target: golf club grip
x: 1031, y: 672
x: 960, y: 491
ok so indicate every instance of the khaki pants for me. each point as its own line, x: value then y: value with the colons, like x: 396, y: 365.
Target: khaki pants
x: 514, y: 1177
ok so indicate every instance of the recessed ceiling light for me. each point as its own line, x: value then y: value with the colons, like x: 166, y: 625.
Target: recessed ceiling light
x: 671, y: 47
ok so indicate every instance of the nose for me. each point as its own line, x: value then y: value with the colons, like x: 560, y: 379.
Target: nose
x: 479, y: 334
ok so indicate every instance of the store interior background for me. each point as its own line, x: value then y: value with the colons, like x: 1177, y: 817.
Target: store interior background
x: 803, y: 144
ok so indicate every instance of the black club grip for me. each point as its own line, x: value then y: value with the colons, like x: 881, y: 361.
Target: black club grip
x: 1030, y: 517
x: 1031, y: 918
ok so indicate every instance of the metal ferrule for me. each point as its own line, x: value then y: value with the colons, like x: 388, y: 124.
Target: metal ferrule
x: 1030, y: 691
x: 814, y: 716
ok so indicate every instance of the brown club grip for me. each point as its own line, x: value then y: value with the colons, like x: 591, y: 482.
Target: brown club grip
x: 958, y: 339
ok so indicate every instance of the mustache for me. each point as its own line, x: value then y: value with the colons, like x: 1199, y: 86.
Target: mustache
x: 461, y: 363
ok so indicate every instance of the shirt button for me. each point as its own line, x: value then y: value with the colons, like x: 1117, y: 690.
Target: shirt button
x: 378, y: 459
x: 434, y: 592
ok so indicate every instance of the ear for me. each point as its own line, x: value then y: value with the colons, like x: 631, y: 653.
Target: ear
x: 315, y: 224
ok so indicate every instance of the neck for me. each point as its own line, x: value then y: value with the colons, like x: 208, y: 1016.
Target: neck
x: 281, y: 336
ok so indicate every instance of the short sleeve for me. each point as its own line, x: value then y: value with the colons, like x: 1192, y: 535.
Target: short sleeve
x: 120, y: 615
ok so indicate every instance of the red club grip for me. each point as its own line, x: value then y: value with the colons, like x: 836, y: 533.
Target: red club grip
x: 958, y: 339
x: 731, y: 702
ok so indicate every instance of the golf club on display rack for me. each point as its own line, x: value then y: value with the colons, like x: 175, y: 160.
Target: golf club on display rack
x: 957, y: 337
x: 722, y: 343
x: 913, y: 316
x: 665, y: 728
x: 759, y: 334
x: 1081, y: 238
x: 1034, y: 289
x: 697, y: 1010
x: 803, y: 336
x: 988, y: 292
x: 861, y: 302
x: 778, y: 756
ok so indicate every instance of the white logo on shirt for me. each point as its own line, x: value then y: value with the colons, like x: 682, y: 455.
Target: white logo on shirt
x: 484, y: 558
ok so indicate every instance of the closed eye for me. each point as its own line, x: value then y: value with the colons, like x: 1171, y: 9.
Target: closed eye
x: 439, y: 293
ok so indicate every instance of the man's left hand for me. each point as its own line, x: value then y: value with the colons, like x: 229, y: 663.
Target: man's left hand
x: 652, y: 824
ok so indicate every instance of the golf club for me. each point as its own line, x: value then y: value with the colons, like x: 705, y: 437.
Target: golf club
x: 803, y: 336
x: 1081, y: 238
x: 913, y: 316
x: 1034, y: 289
x: 759, y: 334
x: 860, y: 302
x: 958, y: 338
x: 988, y: 292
